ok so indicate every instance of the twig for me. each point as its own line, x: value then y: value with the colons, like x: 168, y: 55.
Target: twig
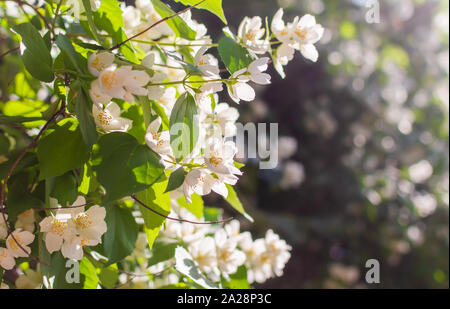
x: 176, y: 219
x: 9, y: 51
x: 156, y: 24
x: 13, y: 166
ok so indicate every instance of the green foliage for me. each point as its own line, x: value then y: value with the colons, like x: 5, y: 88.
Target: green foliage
x: 126, y: 166
x: 234, y: 56
x: 62, y: 150
x: 162, y: 250
x: 176, y: 179
x: 214, y: 6
x: 184, y: 136
x: 63, y: 188
x: 87, y: 123
x: 238, y: 280
x: 109, y: 18
x: 196, y: 207
x: 157, y: 199
x: 117, y: 243
x: 19, y: 197
x: 177, y: 24
x: 234, y: 201
x: 36, y: 56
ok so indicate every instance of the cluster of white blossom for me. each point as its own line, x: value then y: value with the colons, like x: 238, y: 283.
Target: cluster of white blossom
x: 219, y: 251
x: 164, y: 75
x: 70, y: 229
x: 16, y: 244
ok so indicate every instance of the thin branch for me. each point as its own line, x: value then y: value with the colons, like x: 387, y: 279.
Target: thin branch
x: 9, y: 51
x: 60, y: 208
x: 13, y: 166
x: 176, y: 219
x: 156, y: 24
x: 47, y: 24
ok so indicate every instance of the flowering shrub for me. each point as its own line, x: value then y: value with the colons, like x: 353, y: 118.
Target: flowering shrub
x: 124, y: 135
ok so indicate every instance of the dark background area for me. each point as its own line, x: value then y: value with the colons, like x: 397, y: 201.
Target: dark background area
x: 375, y: 104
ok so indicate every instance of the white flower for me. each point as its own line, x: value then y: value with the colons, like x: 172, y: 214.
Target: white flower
x: 3, y: 229
x: 226, y: 117
x: 77, y: 7
x: 90, y: 225
x: 97, y: 96
x: 200, y: 181
x: 256, y: 68
x: 229, y: 258
x: 156, y: 92
x: 203, y: 252
x: 251, y: 33
x: 283, y: 55
x: 149, y: 13
x: 200, y: 29
x: 287, y: 146
x: 300, y: 34
x: 239, y: 89
x: 206, y: 63
x: 56, y: 229
x: 158, y: 141
x: 109, y: 118
x: 22, y: 238
x: 168, y: 99
x: 282, y: 31
x: 99, y: 61
x: 279, y: 251
x: 134, y: 82
x: 233, y: 229
x: 307, y: 33
x: 131, y: 17
x: 293, y: 175
x: 111, y: 82
x: 72, y: 248
x: 25, y: 221
x: 219, y: 157
x: 6, y: 259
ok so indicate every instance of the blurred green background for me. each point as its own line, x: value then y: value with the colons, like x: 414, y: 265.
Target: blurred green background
x: 371, y: 122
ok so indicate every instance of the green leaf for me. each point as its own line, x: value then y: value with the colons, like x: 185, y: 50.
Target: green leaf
x: 71, y: 57
x: 108, y: 17
x: 176, y: 179
x: 183, y: 126
x: 19, y: 199
x: 17, y: 119
x: 90, y: 18
x: 62, y: 150
x: 64, y: 188
x: 185, y: 265
x: 162, y: 250
x: 86, y: 179
x: 126, y: 166
x: 234, y: 56
x: 196, y: 207
x: 156, y: 199
x: 214, y: 6
x: 234, y: 201
x: 36, y: 57
x: 88, y: 271
x: 87, y: 123
x: 177, y: 24
x: 120, y: 238
x: 238, y: 280
x: 58, y: 270
x: 108, y: 276
x: 159, y: 110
